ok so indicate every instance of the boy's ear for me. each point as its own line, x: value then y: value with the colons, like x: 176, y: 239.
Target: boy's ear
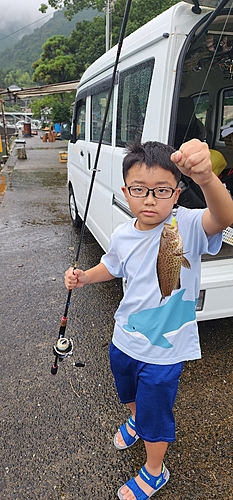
x: 178, y: 191
x: 124, y: 191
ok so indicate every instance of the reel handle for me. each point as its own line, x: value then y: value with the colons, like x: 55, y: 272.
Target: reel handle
x: 79, y: 364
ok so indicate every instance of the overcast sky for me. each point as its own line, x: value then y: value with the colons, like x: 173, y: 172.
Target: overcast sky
x: 22, y: 10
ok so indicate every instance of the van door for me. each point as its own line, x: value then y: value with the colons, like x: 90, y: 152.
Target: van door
x: 87, y: 125
x: 99, y: 216
x: 77, y: 159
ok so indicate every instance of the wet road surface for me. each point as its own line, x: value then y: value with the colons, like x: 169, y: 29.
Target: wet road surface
x: 57, y: 431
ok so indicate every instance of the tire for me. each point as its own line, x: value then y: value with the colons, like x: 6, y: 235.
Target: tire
x: 76, y: 221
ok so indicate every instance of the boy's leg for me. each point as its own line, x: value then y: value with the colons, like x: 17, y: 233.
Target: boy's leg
x: 119, y: 439
x: 156, y: 393
x: 124, y: 370
x: 155, y: 455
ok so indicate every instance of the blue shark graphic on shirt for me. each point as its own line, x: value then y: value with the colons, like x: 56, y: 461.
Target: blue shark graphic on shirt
x: 154, y: 323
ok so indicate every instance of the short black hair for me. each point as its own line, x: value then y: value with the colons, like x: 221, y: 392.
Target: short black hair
x: 151, y: 153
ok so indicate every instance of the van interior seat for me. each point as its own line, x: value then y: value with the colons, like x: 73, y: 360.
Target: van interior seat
x: 188, y: 125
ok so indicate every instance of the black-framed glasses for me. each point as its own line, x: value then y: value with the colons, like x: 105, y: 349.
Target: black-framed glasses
x: 162, y: 193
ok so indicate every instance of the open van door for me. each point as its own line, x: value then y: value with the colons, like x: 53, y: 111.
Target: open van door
x: 203, y: 92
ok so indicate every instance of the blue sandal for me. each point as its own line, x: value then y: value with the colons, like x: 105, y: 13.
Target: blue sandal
x: 128, y: 439
x: 156, y: 482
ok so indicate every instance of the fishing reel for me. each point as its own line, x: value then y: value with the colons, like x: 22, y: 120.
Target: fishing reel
x: 62, y: 349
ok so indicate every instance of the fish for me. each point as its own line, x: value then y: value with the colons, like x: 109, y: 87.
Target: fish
x: 170, y: 259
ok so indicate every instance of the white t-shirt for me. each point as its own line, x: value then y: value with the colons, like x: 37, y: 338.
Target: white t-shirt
x: 146, y: 328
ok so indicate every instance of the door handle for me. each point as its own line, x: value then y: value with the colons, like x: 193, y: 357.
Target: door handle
x: 89, y: 161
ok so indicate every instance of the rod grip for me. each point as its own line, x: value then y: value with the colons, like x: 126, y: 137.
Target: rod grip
x: 54, y: 369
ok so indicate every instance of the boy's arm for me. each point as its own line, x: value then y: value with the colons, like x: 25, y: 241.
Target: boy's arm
x: 75, y: 278
x: 193, y: 159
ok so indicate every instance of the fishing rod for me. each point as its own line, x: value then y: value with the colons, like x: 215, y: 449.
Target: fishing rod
x: 64, y: 346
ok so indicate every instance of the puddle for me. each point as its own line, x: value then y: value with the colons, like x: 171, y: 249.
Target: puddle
x: 49, y: 178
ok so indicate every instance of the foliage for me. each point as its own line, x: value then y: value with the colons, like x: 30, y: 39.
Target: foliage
x: 38, y: 105
x: 61, y: 111
x: 60, y: 105
x: 56, y: 63
x: 87, y: 43
x: 19, y: 77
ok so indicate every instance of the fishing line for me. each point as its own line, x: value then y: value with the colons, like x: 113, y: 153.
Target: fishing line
x: 64, y: 346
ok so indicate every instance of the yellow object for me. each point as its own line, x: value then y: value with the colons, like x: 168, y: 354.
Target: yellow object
x: 218, y: 162
x: 173, y: 221
x: 1, y: 150
x: 2, y: 184
x: 63, y: 156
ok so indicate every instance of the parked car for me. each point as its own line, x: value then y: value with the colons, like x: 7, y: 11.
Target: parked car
x: 19, y: 125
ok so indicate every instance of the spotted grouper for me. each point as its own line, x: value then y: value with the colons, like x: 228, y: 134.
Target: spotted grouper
x: 170, y: 259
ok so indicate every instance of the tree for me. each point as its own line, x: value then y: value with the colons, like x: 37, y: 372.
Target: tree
x: 18, y: 77
x: 60, y: 106
x: 62, y: 111
x: 39, y: 104
x: 56, y: 63
x: 87, y: 43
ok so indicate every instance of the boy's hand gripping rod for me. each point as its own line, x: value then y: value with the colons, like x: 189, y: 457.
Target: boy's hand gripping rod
x: 64, y: 346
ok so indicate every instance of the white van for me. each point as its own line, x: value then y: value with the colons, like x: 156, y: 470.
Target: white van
x: 174, y: 82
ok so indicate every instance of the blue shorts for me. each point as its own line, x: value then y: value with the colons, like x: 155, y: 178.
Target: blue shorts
x: 153, y: 388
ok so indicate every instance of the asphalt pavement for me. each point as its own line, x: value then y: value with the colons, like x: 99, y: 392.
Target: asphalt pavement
x: 57, y: 431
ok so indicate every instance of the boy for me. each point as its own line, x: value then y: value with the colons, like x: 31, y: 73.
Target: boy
x: 152, y: 338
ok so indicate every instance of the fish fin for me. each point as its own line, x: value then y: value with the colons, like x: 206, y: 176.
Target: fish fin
x: 185, y: 263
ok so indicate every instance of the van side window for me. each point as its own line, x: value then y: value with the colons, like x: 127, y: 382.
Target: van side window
x: 227, y: 112
x: 79, y: 121
x: 98, y: 106
x: 134, y: 86
x: 201, y: 104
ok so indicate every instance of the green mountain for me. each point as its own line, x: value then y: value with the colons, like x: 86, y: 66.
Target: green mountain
x: 29, y: 48
x: 13, y: 29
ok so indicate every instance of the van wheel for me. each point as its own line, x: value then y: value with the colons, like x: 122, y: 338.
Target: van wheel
x: 77, y: 222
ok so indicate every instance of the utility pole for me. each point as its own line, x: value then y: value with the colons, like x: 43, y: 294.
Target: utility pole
x: 5, y: 128
x: 107, y: 25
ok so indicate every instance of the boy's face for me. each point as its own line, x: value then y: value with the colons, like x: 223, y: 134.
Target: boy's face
x: 150, y: 211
